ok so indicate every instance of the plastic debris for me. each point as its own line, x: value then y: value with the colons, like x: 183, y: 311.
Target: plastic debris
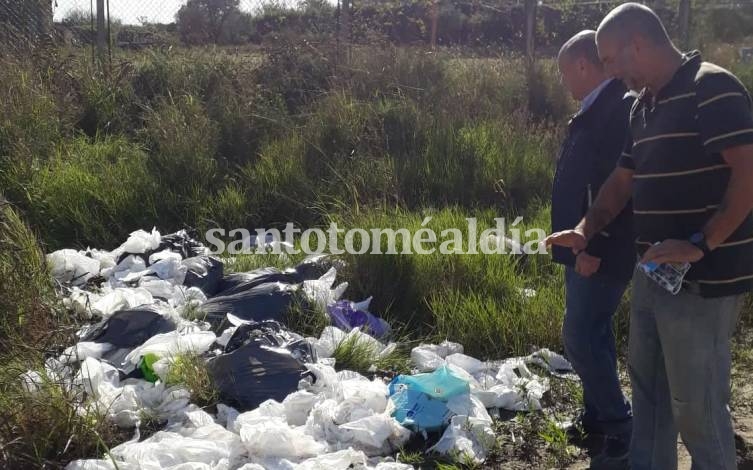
x: 263, y: 302
x: 141, y: 241
x: 73, y: 267
x: 290, y: 408
x: 204, y: 272
x: 260, y: 361
x: 420, y: 401
x: 428, y: 357
x: 347, y: 315
x: 320, y: 292
x: 172, y: 344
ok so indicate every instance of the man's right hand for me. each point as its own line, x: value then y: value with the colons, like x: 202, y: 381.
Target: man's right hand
x: 574, y: 239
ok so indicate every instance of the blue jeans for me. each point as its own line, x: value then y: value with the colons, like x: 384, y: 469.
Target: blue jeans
x: 679, y: 366
x: 590, y: 304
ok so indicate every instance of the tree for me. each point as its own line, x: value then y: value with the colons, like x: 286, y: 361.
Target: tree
x: 201, y: 21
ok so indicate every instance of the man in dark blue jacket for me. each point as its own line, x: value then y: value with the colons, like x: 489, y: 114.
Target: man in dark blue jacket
x: 596, y: 277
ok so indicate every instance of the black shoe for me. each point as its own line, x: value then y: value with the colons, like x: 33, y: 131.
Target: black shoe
x: 582, y: 428
x: 615, y: 454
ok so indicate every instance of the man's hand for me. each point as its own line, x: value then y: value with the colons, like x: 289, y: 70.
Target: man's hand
x: 568, y: 238
x: 673, y: 251
x: 586, y: 265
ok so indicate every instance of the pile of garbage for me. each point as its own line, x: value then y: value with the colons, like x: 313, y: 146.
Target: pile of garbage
x: 283, y: 405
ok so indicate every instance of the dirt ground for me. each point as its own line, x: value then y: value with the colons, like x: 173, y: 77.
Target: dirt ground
x: 530, y: 442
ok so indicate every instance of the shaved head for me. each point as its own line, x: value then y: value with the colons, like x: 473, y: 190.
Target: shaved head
x: 582, y: 45
x: 633, y: 19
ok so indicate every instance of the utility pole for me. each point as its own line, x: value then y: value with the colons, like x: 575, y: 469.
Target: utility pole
x: 101, y: 31
x: 683, y: 19
x: 530, y: 10
x: 434, y: 20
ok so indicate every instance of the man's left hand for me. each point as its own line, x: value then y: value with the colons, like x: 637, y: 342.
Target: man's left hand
x: 673, y: 251
x: 586, y: 265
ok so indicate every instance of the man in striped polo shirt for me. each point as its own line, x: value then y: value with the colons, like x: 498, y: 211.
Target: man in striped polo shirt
x: 688, y: 167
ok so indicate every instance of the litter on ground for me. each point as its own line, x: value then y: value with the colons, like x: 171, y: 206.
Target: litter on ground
x: 282, y: 404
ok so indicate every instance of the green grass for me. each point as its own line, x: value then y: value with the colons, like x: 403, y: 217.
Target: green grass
x: 363, y: 357
x: 471, y: 298
x: 209, y: 138
x: 39, y: 427
x: 191, y: 371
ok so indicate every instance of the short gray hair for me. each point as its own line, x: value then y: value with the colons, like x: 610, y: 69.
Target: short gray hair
x: 632, y: 19
x: 582, y: 45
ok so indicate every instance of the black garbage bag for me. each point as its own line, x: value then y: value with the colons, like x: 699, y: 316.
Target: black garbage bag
x: 126, y: 330
x: 204, y: 272
x: 130, y: 328
x: 261, y: 361
x: 314, y: 267
x: 182, y: 242
x: 268, y: 301
x: 239, y: 282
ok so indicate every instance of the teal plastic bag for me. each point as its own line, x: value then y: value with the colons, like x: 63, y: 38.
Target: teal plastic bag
x: 420, y: 401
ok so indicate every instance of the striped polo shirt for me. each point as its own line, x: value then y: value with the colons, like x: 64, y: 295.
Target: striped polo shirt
x: 679, y: 174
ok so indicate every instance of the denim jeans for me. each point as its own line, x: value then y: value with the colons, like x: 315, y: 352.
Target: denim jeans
x: 589, y: 344
x: 679, y: 364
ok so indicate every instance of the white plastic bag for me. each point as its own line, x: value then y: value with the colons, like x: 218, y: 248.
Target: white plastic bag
x: 274, y: 438
x: 121, y: 298
x: 173, y: 343
x: 72, y: 266
x: 141, y: 241
x: 298, y: 405
x: 320, y: 292
x: 467, y: 436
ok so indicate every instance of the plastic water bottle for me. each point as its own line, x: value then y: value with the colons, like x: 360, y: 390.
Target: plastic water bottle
x: 667, y: 275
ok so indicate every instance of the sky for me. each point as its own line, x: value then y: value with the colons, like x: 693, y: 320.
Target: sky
x: 128, y: 11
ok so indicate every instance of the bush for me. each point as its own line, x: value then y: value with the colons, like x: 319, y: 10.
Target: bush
x: 182, y: 142
x: 94, y: 193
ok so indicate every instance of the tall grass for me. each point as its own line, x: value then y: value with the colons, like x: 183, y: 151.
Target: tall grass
x: 477, y: 299
x: 40, y: 425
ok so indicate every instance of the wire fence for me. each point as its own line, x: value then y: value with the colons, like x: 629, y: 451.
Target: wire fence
x: 137, y: 12
x: 25, y: 23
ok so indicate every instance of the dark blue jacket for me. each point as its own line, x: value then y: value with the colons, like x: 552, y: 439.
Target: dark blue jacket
x: 594, y: 142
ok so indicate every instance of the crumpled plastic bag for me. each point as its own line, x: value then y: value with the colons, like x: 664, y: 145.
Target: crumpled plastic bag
x: 71, y: 266
x: 320, y: 292
x: 347, y: 315
x: 555, y: 363
x: 273, y: 437
x: 372, y: 394
x: 125, y: 403
x: 168, y: 269
x: 298, y: 405
x: 174, y: 343
x: 420, y: 401
x: 121, y: 299
x: 428, y: 357
x: 141, y: 241
x: 514, y: 388
x: 470, y: 364
x: 471, y: 437
x: 83, y: 350
x: 213, y: 446
x: 99, y: 464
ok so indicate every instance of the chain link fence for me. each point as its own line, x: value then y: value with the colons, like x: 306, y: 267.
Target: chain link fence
x: 140, y: 23
x: 134, y: 12
x: 24, y: 21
